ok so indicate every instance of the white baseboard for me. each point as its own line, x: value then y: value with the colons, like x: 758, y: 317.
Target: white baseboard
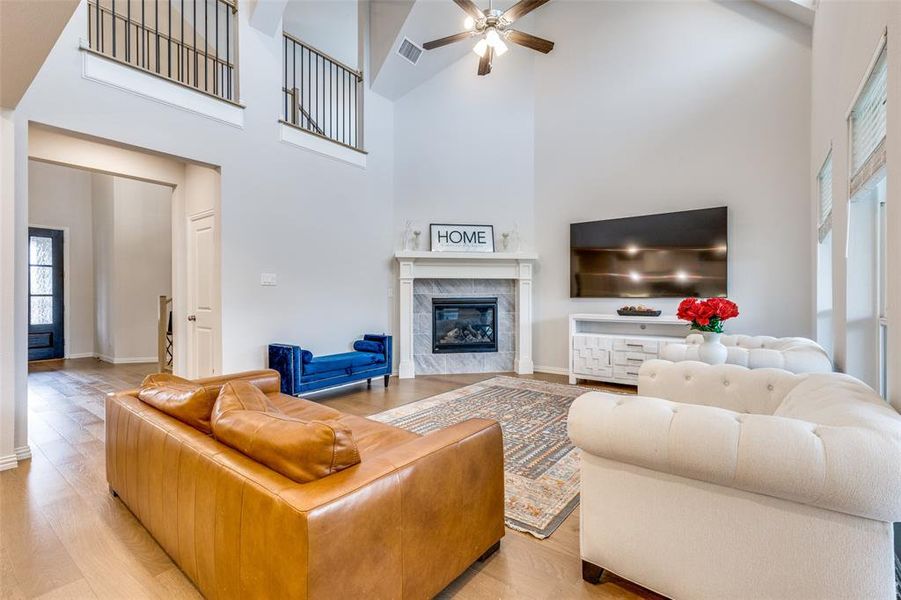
x: 551, y: 370
x: 8, y: 462
x: 124, y: 360
x: 23, y: 452
x: 80, y: 355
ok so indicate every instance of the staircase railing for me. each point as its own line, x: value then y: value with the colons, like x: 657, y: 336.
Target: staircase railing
x: 192, y: 42
x: 164, y: 335
x: 322, y: 95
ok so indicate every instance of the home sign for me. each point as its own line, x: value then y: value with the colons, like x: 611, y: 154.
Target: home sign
x: 462, y: 238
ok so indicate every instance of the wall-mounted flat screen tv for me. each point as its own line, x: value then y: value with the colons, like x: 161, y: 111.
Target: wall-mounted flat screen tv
x: 670, y: 255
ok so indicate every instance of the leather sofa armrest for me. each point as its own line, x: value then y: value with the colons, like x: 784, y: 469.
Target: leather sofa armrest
x: 448, y: 486
x: 846, y: 469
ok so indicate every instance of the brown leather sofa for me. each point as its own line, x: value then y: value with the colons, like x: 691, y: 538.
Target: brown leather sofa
x: 403, y: 523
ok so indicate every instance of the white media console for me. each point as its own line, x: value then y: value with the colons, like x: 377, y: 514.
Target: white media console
x: 611, y: 348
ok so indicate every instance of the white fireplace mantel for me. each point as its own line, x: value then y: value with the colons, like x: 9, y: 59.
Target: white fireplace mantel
x: 466, y: 265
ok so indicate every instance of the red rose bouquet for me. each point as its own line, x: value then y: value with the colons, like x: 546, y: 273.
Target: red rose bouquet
x: 707, y: 315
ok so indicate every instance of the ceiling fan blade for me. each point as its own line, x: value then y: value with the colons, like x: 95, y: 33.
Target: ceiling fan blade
x: 470, y: 7
x: 520, y: 9
x: 447, y: 40
x: 485, y: 61
x: 530, y: 41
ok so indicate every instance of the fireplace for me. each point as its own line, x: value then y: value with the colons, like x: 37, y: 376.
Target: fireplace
x: 464, y: 325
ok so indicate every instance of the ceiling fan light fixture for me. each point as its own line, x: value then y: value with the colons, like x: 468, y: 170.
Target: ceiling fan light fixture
x: 500, y: 48
x: 469, y: 23
x: 493, y: 38
x: 481, y: 47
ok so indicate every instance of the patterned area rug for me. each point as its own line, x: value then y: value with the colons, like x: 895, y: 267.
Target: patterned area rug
x: 541, y: 465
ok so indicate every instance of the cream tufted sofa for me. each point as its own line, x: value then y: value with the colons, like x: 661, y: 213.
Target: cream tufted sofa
x: 724, y: 482
x: 795, y: 354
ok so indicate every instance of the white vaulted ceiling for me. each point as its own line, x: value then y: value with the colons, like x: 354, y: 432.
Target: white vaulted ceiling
x: 394, y: 76
x: 425, y: 20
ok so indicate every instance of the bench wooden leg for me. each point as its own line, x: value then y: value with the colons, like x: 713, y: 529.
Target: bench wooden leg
x: 487, y: 554
x: 387, y: 377
x: 369, y: 383
x: 113, y: 492
x: 591, y: 572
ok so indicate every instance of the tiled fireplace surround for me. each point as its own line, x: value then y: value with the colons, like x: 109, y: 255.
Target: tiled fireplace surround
x: 506, y: 276
x: 464, y: 362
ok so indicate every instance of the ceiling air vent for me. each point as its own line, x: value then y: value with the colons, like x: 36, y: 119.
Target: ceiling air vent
x: 410, y: 51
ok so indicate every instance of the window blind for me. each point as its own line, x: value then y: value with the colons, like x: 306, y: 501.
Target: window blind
x: 824, y: 187
x: 868, y: 127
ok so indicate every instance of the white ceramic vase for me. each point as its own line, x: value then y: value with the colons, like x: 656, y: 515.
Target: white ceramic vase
x: 712, y: 350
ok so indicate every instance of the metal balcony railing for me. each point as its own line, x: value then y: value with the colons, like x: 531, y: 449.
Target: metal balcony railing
x: 192, y: 42
x: 322, y: 95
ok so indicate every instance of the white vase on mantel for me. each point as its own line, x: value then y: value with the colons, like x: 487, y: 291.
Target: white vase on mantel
x: 712, y: 351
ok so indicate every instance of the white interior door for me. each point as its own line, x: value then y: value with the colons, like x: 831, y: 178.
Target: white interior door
x: 203, y: 296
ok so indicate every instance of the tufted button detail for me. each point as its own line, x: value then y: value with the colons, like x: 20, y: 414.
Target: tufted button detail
x: 769, y: 386
x: 653, y: 375
x: 688, y: 378
x: 726, y: 383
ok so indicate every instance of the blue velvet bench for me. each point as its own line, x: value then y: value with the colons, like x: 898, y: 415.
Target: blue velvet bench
x: 302, y: 372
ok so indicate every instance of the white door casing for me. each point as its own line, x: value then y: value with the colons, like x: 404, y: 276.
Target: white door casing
x: 203, y: 299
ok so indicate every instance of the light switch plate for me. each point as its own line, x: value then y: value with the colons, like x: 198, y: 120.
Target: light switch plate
x: 268, y: 279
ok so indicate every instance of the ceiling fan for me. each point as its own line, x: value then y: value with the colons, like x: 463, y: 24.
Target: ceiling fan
x: 492, y: 26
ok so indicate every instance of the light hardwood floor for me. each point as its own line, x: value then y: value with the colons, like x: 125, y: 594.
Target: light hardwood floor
x: 63, y: 536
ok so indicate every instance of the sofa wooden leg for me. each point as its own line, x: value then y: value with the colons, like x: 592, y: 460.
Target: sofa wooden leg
x: 387, y: 377
x: 369, y: 383
x: 113, y: 492
x: 591, y: 573
x: 487, y: 554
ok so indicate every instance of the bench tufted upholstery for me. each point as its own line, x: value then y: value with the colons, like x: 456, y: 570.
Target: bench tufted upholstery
x: 826, y: 442
x: 795, y: 354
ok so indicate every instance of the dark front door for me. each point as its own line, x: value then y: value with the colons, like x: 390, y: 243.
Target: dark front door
x: 45, y: 294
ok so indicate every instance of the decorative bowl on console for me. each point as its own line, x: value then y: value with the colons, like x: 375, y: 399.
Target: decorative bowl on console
x: 638, y: 311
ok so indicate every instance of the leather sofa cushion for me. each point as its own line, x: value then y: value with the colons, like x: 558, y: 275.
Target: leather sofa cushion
x: 342, y: 362
x: 371, y: 437
x: 245, y: 419
x: 189, y: 402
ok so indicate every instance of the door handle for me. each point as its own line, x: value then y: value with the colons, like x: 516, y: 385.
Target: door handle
x: 192, y: 317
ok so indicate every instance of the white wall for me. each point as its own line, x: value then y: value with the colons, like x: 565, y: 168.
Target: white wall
x: 133, y: 265
x: 104, y: 243
x: 464, y: 148
x: 846, y: 36
x: 330, y: 26
x: 60, y: 198
x: 642, y: 107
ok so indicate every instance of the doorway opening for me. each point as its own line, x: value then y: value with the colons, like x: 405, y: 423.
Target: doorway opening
x: 100, y: 258
x: 147, y: 256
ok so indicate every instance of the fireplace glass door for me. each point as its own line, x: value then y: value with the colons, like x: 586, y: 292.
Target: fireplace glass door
x: 464, y: 325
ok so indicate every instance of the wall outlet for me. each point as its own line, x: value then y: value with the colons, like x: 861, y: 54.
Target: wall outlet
x: 268, y: 279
